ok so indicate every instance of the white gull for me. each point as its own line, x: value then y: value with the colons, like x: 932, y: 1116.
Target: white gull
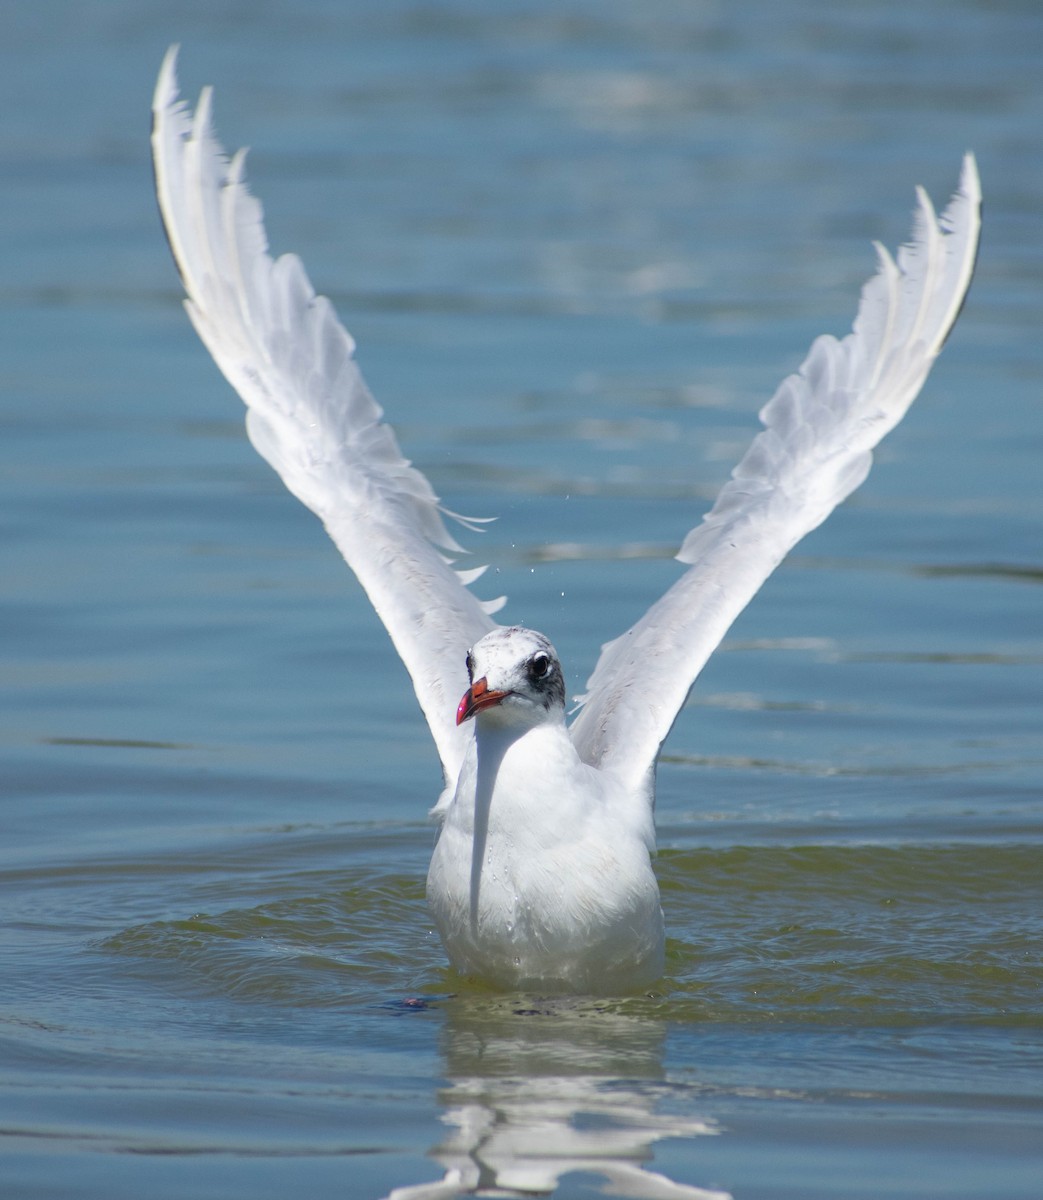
x: 541, y: 875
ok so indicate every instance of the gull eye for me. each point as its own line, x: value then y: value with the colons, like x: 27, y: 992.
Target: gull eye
x: 469, y: 662
x: 539, y: 665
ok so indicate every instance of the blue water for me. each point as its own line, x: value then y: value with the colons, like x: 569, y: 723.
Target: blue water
x: 578, y: 245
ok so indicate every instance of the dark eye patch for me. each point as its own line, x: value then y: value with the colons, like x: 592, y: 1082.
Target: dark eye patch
x: 539, y: 665
x: 469, y: 661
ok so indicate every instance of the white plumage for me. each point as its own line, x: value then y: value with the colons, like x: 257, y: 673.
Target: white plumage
x: 541, y: 875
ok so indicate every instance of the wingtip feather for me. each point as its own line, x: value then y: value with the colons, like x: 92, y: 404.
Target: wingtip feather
x: 309, y: 412
x: 970, y: 180
x: 816, y: 448
x: 166, y: 82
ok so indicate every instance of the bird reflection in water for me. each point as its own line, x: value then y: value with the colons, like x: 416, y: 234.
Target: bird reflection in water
x: 538, y: 1089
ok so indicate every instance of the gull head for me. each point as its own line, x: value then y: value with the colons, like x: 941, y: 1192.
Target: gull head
x: 515, y: 679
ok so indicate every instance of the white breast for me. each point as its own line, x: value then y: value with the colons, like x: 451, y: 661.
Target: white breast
x: 541, y: 877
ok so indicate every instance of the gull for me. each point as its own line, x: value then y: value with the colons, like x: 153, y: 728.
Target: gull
x: 541, y: 876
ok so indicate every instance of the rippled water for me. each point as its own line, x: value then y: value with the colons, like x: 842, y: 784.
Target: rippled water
x: 578, y: 245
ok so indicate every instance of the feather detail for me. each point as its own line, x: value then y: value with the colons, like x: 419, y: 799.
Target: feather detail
x: 820, y: 428
x: 310, y: 414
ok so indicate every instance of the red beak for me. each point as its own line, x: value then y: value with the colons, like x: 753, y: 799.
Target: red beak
x: 476, y: 698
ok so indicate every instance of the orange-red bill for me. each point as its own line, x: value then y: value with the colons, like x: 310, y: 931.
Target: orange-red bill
x: 477, y: 697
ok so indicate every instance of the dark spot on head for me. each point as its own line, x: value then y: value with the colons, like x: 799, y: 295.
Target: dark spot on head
x: 544, y: 675
x: 539, y: 665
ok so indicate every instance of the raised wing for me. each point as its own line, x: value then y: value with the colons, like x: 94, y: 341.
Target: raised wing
x: 815, y: 449
x: 310, y: 413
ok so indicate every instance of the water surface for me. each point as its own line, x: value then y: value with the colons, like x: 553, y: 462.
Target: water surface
x: 578, y: 245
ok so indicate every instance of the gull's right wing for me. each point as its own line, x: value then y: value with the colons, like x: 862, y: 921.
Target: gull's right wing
x: 816, y: 448
x: 310, y: 413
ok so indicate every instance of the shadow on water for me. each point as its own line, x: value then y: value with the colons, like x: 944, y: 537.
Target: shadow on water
x: 534, y: 1088
x: 782, y: 958
x: 538, y: 1089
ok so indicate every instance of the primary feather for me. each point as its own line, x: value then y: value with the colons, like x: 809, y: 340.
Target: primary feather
x: 310, y: 413
x: 816, y: 448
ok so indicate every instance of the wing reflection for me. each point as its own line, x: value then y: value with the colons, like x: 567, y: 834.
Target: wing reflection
x: 538, y: 1091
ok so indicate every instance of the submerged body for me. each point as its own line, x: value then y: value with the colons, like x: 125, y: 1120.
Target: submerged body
x: 544, y: 888
x: 541, y: 874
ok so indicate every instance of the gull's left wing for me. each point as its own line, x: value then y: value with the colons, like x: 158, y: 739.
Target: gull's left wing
x: 816, y: 448
x: 310, y: 413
